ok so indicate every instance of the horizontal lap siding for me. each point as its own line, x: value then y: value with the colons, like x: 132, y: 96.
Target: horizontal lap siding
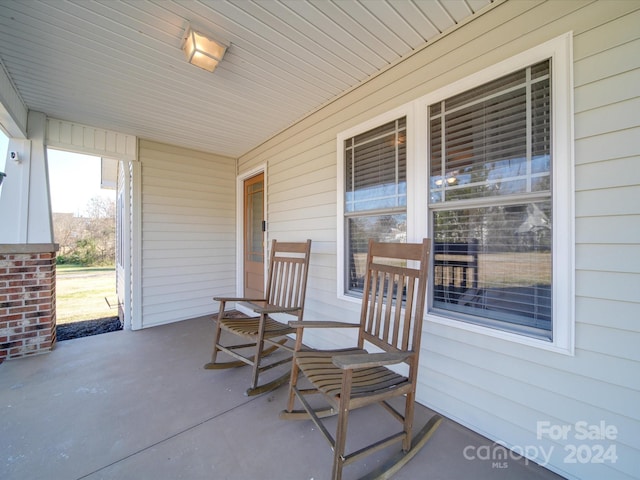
x: 499, y: 388
x: 607, y: 132
x: 188, y: 232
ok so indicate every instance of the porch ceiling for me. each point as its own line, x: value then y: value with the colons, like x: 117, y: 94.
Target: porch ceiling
x: 119, y: 65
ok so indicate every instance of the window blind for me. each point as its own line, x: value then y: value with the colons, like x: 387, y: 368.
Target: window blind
x: 375, y: 194
x: 376, y: 168
x: 493, y: 140
x: 490, y: 203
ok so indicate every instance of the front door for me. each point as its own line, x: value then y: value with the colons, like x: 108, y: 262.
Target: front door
x: 254, y: 236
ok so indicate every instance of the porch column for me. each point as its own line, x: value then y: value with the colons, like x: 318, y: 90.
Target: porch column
x: 27, y: 251
x: 27, y: 299
x: 25, y: 206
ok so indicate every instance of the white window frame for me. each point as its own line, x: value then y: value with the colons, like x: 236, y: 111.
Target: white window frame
x: 407, y: 111
x: 559, y: 50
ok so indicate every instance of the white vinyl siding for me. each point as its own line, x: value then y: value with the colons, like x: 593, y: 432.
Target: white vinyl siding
x: 494, y: 386
x: 188, y: 232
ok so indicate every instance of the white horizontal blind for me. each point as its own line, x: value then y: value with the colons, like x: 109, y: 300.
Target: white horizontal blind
x: 491, y: 206
x: 375, y: 194
x: 376, y: 168
x: 493, y: 140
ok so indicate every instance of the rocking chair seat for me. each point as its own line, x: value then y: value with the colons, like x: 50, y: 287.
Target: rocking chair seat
x: 249, y: 327
x: 322, y: 372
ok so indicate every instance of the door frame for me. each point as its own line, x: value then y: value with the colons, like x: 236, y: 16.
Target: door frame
x: 240, y: 226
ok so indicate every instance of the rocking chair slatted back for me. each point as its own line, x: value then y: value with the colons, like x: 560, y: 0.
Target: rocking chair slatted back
x: 287, y: 280
x: 390, y: 300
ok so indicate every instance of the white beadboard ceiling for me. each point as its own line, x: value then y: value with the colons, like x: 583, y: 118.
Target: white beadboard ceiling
x: 119, y: 65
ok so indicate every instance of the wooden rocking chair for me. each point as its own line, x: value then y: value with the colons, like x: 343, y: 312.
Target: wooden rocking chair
x: 391, y: 321
x: 285, y: 294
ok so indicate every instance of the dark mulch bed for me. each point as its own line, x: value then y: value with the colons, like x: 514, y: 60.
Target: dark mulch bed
x: 69, y: 331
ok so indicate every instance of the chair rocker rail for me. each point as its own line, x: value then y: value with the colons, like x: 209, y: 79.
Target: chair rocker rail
x: 242, y: 360
x: 267, y: 387
x: 401, y: 458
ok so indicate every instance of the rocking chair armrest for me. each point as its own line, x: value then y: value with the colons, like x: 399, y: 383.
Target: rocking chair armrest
x: 273, y: 309
x: 321, y: 324
x: 238, y: 299
x: 364, y: 360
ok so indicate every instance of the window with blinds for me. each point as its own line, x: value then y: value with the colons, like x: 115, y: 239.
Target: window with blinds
x: 490, y: 203
x: 375, y: 200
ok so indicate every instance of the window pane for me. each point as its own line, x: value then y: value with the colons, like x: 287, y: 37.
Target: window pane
x: 255, y: 209
x: 494, y: 140
x: 376, y: 168
x: 375, y: 194
x: 504, y: 83
x: 380, y: 228
x: 541, y: 121
x: 493, y: 265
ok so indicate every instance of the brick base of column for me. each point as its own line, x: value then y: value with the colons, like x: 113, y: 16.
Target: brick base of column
x: 27, y: 299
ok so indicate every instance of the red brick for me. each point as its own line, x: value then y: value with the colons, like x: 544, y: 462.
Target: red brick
x: 26, y: 335
x: 27, y: 304
x: 11, y: 277
x: 38, y: 302
x: 22, y: 309
x: 17, y: 302
x: 26, y: 269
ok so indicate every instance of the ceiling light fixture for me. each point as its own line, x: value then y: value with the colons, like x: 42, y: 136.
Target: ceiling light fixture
x: 202, y: 51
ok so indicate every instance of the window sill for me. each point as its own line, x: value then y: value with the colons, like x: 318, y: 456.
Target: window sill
x: 356, y: 299
x: 501, y: 334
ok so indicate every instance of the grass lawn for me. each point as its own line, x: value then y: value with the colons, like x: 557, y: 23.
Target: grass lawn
x: 80, y: 293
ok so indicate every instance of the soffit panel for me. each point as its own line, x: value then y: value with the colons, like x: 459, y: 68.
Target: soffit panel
x: 119, y: 65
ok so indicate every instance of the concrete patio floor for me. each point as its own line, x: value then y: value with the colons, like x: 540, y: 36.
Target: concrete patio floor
x: 139, y: 405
